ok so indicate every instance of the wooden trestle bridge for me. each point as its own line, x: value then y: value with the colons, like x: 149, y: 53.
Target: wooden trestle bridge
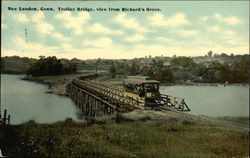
x: 97, y: 98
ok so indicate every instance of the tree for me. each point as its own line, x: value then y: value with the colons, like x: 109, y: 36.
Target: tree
x: 2, y: 65
x: 182, y: 61
x: 200, y: 70
x: 216, y: 55
x: 164, y: 75
x: 133, y: 69
x: 223, y: 55
x: 99, y: 61
x: 112, y: 70
x: 50, y: 66
x: 148, y: 72
x: 210, y: 53
x: 159, y: 64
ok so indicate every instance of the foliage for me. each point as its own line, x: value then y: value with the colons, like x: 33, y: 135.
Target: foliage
x: 182, y: 61
x: 210, y: 53
x: 15, y: 64
x: 164, y: 75
x: 171, y: 137
x: 2, y: 65
x: 50, y: 66
x: 99, y: 61
x: 133, y: 69
x: 200, y: 70
x: 159, y: 64
x: 112, y: 70
x: 148, y: 72
x: 237, y: 73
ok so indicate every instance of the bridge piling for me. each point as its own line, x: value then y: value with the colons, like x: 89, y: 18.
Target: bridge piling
x: 95, y: 99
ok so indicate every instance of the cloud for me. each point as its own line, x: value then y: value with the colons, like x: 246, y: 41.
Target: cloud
x: 21, y: 17
x: 176, y: 20
x: 66, y: 46
x: 164, y: 39
x: 129, y: 23
x: 59, y: 36
x: 4, y: 26
x: 101, y: 42
x: 117, y: 51
x: 185, y: 33
x: 232, y: 20
x: 214, y: 28
x: 204, y: 18
x: 232, y: 42
x: 229, y: 33
x: 135, y: 38
x: 225, y: 36
x: 44, y: 27
x: 222, y: 33
x: 28, y: 49
x: 229, y: 37
x: 74, y: 22
x: 99, y: 28
x: 37, y: 17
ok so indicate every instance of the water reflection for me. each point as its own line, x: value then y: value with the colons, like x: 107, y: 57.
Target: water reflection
x: 28, y: 101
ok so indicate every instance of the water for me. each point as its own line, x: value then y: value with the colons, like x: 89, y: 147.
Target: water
x: 213, y: 100
x: 26, y: 101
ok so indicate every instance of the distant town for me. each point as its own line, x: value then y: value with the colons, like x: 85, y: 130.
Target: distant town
x: 211, y: 68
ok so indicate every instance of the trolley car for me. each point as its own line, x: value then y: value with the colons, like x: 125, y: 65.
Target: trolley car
x: 148, y: 89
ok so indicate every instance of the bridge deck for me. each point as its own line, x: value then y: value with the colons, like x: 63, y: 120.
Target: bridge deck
x: 134, y: 96
x: 93, y: 96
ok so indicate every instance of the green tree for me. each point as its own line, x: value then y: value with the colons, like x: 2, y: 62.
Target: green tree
x: 182, y: 61
x: 49, y: 66
x: 112, y: 70
x: 159, y: 64
x: 133, y: 69
x: 164, y: 75
x: 2, y: 65
x: 210, y: 53
x: 148, y: 72
x: 200, y: 70
x: 99, y: 61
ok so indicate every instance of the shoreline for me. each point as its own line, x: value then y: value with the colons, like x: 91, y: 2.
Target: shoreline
x: 40, y: 79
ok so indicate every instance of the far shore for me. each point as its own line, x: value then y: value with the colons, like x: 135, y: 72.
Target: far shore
x: 59, y: 78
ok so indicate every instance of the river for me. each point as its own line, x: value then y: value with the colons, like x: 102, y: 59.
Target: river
x: 27, y: 100
x: 214, y: 101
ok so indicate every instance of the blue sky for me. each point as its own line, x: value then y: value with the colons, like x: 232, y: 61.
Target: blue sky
x: 179, y: 28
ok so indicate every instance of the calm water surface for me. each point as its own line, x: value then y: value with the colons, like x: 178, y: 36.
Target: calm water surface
x: 26, y: 100
x: 213, y: 100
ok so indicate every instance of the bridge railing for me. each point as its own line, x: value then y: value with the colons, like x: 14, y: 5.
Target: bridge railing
x: 176, y: 102
x: 110, y: 93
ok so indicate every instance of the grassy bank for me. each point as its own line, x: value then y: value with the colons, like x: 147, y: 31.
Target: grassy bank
x: 121, y: 138
x: 46, y: 79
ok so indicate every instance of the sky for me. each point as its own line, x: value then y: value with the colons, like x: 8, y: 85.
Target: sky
x: 181, y: 28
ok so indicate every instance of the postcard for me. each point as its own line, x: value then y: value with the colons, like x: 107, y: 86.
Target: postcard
x: 123, y: 79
